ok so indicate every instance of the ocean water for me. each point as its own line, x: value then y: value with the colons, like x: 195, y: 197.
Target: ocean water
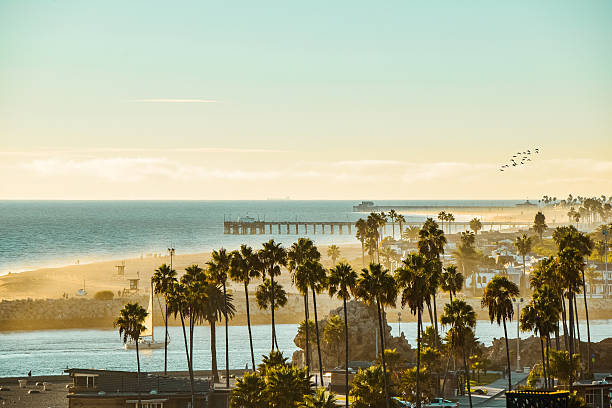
x: 48, y: 352
x: 54, y: 233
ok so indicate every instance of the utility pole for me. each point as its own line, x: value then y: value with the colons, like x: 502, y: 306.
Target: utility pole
x: 518, y: 334
x: 604, y: 231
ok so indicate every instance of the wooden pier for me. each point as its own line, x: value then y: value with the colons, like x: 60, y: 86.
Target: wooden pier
x: 344, y: 227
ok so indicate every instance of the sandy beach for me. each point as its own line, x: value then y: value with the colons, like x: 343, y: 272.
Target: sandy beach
x: 50, y: 283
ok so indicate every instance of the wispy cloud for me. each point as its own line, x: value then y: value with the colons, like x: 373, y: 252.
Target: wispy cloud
x: 175, y: 100
x: 131, y: 150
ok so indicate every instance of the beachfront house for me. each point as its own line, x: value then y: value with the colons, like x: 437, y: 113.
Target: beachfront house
x: 122, y: 389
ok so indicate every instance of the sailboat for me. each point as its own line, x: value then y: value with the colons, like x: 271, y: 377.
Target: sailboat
x: 146, y: 340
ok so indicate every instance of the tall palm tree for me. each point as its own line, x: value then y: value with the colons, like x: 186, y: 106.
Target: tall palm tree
x: 392, y: 214
x: 376, y: 286
x: 269, y: 296
x: 373, y: 235
x: 178, y: 305
x: 442, y: 217
x: 450, y: 218
x: 475, y: 225
x: 412, y: 279
x: 334, y: 253
x: 539, y: 224
x: 411, y: 232
x: 218, y: 305
x: 244, y: 266
x: 431, y: 244
x: 272, y: 256
x: 401, y: 220
x: 541, y: 315
x: 163, y: 280
x: 218, y: 269
x: 131, y: 323
x: 300, y: 252
x: 462, y: 319
x: 314, y: 275
x: 523, y: 247
x: 362, y: 231
x: 497, y: 298
x: 341, y: 282
x: 451, y: 280
x: 194, y: 282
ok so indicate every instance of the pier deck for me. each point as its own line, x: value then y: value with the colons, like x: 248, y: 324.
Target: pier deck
x: 324, y: 227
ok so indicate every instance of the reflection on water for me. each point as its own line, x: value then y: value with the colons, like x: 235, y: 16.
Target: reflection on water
x: 50, y: 351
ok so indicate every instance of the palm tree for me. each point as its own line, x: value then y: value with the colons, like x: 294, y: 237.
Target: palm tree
x: 301, y: 251
x: 248, y: 392
x: 341, y: 282
x: 373, y: 235
x: 539, y: 224
x: 362, y: 231
x: 412, y: 279
x: 163, y: 280
x: 401, y: 220
x: 131, y: 323
x: 244, y: 266
x: 218, y: 269
x: 392, y: 214
x: 431, y: 245
x: 369, y: 388
x: 320, y: 400
x: 498, y: 297
x: 334, y: 253
x: 286, y: 386
x: 268, y: 296
x: 451, y: 280
x: 541, y: 315
x: 523, y: 247
x: 376, y: 286
x: 314, y: 276
x: 442, y: 218
x: 272, y: 257
x: 412, y: 232
x: 475, y: 225
x: 217, y: 305
x: 179, y: 305
x: 450, y: 218
x: 462, y: 319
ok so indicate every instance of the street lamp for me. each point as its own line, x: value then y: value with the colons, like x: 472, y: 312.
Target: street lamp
x: 518, y: 334
x: 171, y: 252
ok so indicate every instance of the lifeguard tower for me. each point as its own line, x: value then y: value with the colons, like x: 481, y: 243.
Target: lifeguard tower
x: 132, y: 289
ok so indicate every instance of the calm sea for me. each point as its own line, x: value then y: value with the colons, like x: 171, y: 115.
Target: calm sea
x: 54, y: 233
x: 48, y: 352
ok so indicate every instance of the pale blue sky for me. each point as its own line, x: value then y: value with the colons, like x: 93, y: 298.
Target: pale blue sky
x: 431, y: 84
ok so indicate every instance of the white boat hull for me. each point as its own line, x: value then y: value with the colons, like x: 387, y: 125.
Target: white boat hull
x: 145, y: 345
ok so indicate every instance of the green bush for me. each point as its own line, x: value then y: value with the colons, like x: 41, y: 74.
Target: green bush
x: 104, y: 295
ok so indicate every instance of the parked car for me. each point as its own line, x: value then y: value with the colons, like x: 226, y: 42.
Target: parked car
x: 441, y: 403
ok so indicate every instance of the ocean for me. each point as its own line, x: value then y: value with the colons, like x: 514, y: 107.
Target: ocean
x: 36, y: 234
x: 48, y: 352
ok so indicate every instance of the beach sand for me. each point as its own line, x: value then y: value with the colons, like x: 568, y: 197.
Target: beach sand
x: 50, y: 283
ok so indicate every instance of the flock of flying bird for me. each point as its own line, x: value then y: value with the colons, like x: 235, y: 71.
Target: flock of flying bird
x: 520, y: 159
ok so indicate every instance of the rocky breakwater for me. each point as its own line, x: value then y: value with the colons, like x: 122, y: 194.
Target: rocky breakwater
x: 41, y: 314
x: 364, y: 339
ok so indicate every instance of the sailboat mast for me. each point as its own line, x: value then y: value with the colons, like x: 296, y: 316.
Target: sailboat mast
x: 152, y: 308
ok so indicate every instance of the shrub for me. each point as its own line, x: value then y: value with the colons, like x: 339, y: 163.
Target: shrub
x: 104, y: 295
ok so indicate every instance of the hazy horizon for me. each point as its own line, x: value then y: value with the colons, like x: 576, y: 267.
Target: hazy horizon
x: 148, y: 100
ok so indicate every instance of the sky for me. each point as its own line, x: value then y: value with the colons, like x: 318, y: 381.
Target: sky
x: 308, y: 100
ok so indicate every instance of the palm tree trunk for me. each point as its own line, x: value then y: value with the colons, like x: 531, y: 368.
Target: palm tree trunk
x: 435, y: 313
x: 586, y: 312
x: 189, y: 366
x: 543, y: 364
x: 191, y: 329
x: 226, y: 337
x: 307, y: 359
x: 246, y: 294
x: 557, y: 346
x: 571, y: 322
x: 272, y: 302
x: 314, y: 305
x: 166, y: 341
x: 418, y: 366
x: 346, y: 354
x: 507, y: 355
x: 564, y: 317
x: 448, y: 360
x: 550, y: 380
x: 577, y: 325
x: 523, y: 285
x: 213, y: 350
x: 450, y: 294
x: 362, y: 254
x: 467, y: 374
x: 382, y: 354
